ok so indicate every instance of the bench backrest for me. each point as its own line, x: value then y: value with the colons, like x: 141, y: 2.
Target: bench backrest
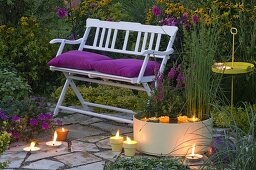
x: 148, y: 37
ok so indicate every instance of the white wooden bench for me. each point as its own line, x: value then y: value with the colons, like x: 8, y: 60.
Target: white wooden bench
x: 106, y: 34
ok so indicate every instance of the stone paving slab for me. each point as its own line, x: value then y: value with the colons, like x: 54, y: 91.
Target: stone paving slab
x: 104, y: 144
x: 90, y: 121
x: 47, y: 151
x: 113, y: 128
x: 93, y: 166
x: 77, y: 131
x: 74, y: 118
x: 76, y: 159
x: 82, y: 146
x: 93, y: 139
x: 15, y: 158
x: 108, y: 155
x: 44, y: 164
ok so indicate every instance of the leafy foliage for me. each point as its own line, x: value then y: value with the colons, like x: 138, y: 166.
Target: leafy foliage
x: 118, y: 97
x: 244, y: 155
x: 27, y: 49
x: 12, y: 86
x: 4, y: 141
x: 141, y: 163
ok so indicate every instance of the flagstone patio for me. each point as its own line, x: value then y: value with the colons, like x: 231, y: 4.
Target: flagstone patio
x: 87, y: 147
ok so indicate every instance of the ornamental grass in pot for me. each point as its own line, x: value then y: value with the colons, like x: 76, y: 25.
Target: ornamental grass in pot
x: 185, y: 97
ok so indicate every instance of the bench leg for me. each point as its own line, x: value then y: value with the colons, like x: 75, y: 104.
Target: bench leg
x: 78, y: 94
x: 147, y: 88
x: 61, y: 98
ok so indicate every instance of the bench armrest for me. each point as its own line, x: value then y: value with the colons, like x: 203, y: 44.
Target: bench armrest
x: 54, y: 41
x: 160, y: 53
x: 63, y: 42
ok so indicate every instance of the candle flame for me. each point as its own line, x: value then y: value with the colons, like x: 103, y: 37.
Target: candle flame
x: 128, y: 140
x: 193, y: 149
x: 32, y: 145
x: 62, y: 129
x: 54, y: 137
x: 117, y: 134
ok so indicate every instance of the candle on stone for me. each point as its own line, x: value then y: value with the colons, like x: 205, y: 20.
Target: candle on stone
x: 129, y: 147
x: 194, y: 157
x: 182, y: 119
x: 164, y: 119
x: 54, y: 142
x: 62, y: 134
x: 116, y: 142
x: 31, y: 148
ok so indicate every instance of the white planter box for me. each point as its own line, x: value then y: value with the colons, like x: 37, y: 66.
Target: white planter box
x: 172, y: 138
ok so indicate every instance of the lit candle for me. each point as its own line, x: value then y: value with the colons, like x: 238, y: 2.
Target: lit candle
x: 164, y: 119
x: 182, y: 119
x: 194, y: 157
x: 153, y: 119
x: 54, y: 142
x: 116, y: 142
x: 62, y: 134
x: 129, y: 147
x: 193, y: 119
x: 144, y: 119
x: 31, y: 148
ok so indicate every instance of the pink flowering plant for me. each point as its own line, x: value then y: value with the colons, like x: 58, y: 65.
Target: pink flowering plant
x: 24, y: 127
x: 25, y: 119
x: 167, y: 97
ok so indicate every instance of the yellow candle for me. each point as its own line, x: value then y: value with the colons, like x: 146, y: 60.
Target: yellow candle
x: 193, y: 119
x: 129, y: 147
x: 182, y: 119
x: 116, y: 142
x: 164, y: 119
x: 62, y: 134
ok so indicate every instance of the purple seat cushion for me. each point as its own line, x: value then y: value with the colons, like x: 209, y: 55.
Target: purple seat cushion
x: 80, y: 60
x: 125, y: 67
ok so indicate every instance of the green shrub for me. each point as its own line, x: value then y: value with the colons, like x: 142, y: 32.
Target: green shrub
x: 12, y: 86
x: 222, y: 117
x: 27, y: 49
x: 141, y: 163
x: 4, y: 141
x: 118, y: 97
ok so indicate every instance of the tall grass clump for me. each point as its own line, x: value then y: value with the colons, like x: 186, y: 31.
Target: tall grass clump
x: 200, y: 48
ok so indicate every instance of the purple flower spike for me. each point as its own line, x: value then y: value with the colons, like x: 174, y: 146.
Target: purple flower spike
x: 156, y: 11
x: 45, y: 125
x: 15, y: 118
x: 171, y: 74
x: 195, y: 19
x: 41, y: 116
x: 33, y: 122
x: 184, y: 17
x: 3, y: 116
x: 48, y: 116
x: 61, y: 12
x: 93, y: 5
